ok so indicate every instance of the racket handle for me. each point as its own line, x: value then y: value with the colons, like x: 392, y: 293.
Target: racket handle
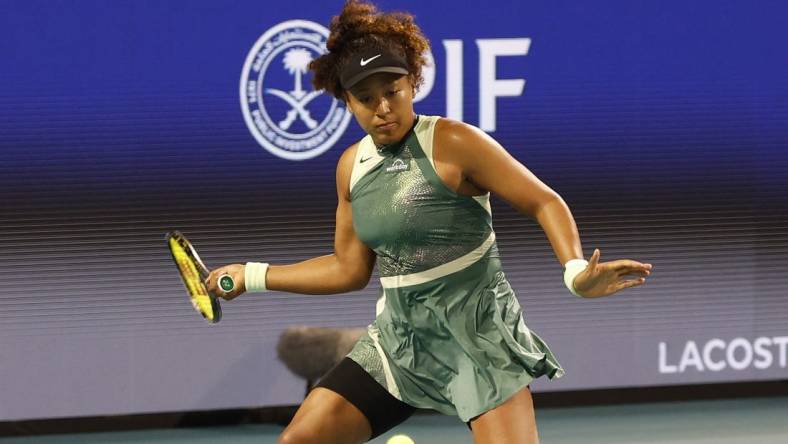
x: 226, y: 283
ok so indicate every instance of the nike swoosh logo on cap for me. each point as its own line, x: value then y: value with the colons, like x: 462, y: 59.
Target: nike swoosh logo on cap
x: 364, y: 62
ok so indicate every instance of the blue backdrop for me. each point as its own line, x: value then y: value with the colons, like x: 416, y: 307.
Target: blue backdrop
x: 662, y: 124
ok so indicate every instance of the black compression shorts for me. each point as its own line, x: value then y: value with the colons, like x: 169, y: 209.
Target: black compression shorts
x: 383, y: 411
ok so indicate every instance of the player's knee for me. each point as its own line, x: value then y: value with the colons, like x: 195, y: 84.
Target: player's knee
x: 297, y: 436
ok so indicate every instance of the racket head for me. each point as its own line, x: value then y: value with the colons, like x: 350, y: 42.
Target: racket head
x: 193, y: 273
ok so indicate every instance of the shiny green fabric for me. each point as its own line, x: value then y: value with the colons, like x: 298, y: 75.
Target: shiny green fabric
x: 408, y: 216
x: 457, y: 343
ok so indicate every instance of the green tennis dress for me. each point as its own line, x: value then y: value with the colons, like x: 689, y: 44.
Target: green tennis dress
x: 449, y: 333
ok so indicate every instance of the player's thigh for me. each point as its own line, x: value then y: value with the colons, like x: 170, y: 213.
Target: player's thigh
x: 512, y: 422
x: 326, y: 417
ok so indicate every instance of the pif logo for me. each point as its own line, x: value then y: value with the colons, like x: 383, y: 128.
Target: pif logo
x: 281, y: 110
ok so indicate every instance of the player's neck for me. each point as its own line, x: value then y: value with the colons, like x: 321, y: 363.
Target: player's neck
x: 394, y: 146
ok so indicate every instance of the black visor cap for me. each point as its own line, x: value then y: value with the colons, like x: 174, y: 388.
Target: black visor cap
x: 370, y: 61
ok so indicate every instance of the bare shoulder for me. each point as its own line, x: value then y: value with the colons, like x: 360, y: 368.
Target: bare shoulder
x: 464, y: 144
x: 344, y: 170
x: 347, y: 157
x: 453, y: 131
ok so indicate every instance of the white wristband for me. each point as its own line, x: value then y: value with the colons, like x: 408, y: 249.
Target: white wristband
x: 571, y: 270
x: 254, y: 277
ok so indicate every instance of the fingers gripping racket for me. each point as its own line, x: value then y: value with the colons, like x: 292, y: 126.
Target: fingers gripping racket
x: 193, y: 273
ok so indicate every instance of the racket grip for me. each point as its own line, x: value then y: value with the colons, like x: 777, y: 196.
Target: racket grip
x: 226, y: 283
x: 254, y: 277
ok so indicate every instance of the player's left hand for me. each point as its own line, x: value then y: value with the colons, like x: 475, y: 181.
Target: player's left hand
x: 606, y: 278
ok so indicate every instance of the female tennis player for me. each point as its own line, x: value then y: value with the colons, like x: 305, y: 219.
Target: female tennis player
x: 414, y: 195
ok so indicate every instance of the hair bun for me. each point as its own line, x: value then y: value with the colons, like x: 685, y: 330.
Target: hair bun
x: 355, y: 21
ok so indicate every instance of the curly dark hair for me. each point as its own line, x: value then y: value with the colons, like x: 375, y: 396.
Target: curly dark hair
x: 358, y: 25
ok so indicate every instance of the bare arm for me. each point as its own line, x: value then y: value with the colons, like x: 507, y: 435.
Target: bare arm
x: 347, y: 269
x: 484, y: 163
x: 487, y: 165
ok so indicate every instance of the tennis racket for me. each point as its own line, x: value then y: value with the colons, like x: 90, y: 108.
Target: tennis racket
x: 193, y: 273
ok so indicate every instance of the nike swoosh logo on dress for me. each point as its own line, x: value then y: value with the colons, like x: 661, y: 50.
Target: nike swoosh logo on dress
x: 364, y: 62
x: 364, y: 160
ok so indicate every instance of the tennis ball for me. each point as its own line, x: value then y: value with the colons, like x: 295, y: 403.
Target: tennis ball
x: 400, y: 439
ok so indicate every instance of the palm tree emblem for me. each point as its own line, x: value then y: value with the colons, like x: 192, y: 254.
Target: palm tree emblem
x: 296, y: 63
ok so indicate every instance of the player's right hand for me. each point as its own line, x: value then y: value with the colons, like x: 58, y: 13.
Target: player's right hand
x: 235, y: 271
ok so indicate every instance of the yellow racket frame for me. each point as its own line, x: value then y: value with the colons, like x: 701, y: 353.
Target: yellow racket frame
x: 193, y: 274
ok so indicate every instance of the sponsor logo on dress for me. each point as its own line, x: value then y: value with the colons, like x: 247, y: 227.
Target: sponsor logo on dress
x: 282, y: 112
x: 397, y: 166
